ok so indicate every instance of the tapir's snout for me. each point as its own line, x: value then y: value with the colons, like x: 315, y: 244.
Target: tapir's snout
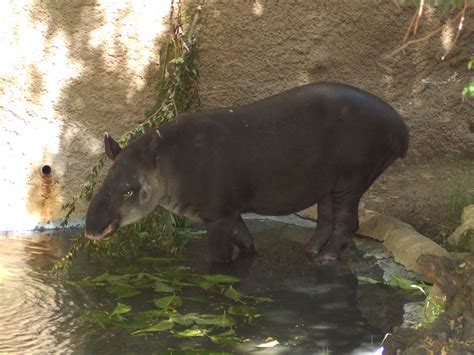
x: 112, y: 227
x: 100, y: 221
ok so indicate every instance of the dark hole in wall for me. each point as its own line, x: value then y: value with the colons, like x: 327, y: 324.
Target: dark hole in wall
x: 46, y: 170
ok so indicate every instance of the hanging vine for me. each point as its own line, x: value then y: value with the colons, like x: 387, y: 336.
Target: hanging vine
x: 177, y: 92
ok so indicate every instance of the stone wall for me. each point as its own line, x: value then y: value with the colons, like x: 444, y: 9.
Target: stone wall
x: 71, y: 70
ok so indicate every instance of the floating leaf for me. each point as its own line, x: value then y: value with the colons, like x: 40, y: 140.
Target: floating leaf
x: 201, y: 282
x: 98, y: 317
x: 192, y: 332
x: 106, y: 277
x: 221, y: 278
x: 259, y: 299
x: 162, y: 287
x: 233, y: 294
x: 168, y: 302
x: 228, y: 337
x: 158, y: 327
x: 202, y: 299
x: 123, y: 291
x: 121, y: 309
x: 224, y: 321
x: 368, y: 280
x: 244, y: 311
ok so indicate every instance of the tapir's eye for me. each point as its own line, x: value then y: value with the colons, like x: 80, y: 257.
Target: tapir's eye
x: 129, y: 193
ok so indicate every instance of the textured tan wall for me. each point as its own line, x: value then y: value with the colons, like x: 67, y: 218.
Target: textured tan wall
x: 253, y: 48
x: 69, y: 70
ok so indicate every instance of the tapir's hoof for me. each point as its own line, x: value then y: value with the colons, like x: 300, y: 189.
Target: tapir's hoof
x: 244, y: 252
x: 323, y: 257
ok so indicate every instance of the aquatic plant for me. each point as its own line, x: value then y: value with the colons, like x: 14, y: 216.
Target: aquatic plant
x: 171, y: 289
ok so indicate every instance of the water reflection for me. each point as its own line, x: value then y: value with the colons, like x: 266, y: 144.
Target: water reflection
x: 33, y: 306
x: 315, y: 308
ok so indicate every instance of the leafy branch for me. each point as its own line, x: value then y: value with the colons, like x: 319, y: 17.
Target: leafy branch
x: 177, y: 92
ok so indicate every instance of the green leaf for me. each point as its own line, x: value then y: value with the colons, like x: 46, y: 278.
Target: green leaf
x: 158, y: 327
x: 244, y: 311
x: 202, y: 299
x: 121, y: 309
x: 123, y: 291
x: 111, y: 279
x: 227, y: 337
x: 368, y: 280
x: 259, y: 299
x: 470, y: 64
x: 401, y: 283
x: 168, y: 302
x: 98, y: 317
x: 162, y: 287
x: 233, y: 294
x: 221, y: 278
x: 201, y: 282
x: 192, y: 332
x: 224, y: 321
x: 468, y: 90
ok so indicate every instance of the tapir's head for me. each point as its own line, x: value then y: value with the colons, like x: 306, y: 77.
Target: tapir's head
x: 130, y: 190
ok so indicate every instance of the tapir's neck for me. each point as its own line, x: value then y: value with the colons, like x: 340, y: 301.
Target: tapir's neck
x: 168, y: 193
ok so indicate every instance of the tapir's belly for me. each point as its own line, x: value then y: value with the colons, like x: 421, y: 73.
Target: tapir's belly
x: 289, y: 192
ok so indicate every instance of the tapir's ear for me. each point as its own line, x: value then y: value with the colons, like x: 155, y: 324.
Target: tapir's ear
x: 154, y: 141
x: 112, y: 148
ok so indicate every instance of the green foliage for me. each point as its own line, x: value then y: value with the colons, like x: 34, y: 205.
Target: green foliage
x: 162, y: 285
x: 469, y: 88
x: 457, y: 199
x: 399, y: 282
x: 176, y: 93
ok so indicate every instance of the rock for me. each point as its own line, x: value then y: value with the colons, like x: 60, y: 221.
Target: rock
x: 453, y: 331
x: 401, y: 239
x: 309, y: 213
x: 463, y: 237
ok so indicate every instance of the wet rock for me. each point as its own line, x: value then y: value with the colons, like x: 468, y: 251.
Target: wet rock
x: 453, y: 331
x: 401, y: 239
x: 463, y: 237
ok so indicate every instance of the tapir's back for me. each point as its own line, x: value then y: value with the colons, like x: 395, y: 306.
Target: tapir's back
x: 280, y: 154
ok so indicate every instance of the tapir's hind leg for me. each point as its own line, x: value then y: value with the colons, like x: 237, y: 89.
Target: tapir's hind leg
x: 346, y: 224
x: 345, y: 207
x: 323, y: 229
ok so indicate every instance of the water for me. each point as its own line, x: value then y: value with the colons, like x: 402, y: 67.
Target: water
x: 316, y: 309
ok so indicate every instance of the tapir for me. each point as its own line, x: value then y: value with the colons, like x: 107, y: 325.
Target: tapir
x: 323, y: 143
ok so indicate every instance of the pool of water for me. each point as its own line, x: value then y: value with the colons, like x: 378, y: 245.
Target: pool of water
x: 316, y: 309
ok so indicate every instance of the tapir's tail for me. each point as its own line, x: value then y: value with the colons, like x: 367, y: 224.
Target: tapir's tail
x: 404, y: 141
x: 400, y: 139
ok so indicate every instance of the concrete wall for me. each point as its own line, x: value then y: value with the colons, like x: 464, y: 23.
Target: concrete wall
x: 70, y: 70
x: 252, y: 49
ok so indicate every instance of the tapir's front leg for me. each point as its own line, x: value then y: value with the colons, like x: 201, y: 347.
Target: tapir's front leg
x: 242, y: 238
x: 221, y: 238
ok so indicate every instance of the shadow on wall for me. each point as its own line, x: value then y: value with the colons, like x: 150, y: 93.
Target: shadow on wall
x: 264, y: 47
x: 248, y: 50
x: 115, y: 46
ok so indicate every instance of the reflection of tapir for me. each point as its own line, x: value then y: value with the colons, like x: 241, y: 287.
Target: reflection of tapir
x: 322, y: 143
